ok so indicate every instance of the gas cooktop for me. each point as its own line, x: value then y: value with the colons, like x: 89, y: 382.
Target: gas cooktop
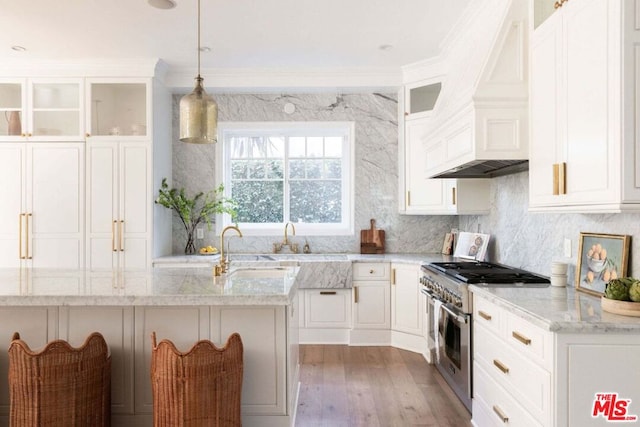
x: 475, y: 272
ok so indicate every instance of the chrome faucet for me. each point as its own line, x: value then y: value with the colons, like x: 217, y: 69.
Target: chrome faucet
x: 277, y: 247
x: 223, y: 265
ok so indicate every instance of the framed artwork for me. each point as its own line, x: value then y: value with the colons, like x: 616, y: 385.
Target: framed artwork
x: 601, y: 257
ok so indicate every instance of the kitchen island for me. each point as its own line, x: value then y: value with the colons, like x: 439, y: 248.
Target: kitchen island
x: 183, y: 305
x: 551, y: 357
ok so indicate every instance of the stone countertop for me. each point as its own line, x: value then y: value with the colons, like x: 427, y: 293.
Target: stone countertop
x: 414, y: 258
x: 559, y: 309
x: 156, y: 287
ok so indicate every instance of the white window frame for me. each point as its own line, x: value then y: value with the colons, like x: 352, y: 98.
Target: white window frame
x: 223, y: 174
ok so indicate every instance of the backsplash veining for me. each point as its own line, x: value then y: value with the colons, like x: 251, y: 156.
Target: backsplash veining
x: 376, y: 169
x: 533, y: 240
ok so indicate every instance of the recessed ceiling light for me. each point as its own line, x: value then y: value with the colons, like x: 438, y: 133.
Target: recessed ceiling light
x: 385, y: 47
x: 162, y: 4
x: 19, y: 48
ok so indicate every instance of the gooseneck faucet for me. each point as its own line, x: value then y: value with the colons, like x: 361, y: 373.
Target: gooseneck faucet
x: 277, y: 247
x: 223, y: 265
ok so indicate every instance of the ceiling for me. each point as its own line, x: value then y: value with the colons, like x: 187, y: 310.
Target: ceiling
x: 242, y: 34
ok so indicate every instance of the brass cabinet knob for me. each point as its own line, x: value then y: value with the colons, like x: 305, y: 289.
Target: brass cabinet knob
x: 87, y: 134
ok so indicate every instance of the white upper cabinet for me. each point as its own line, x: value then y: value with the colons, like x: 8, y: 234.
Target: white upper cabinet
x: 117, y: 108
x: 42, y: 109
x: 584, y: 151
x: 420, y: 98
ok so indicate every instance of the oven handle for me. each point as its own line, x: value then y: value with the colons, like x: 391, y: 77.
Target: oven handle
x: 460, y: 318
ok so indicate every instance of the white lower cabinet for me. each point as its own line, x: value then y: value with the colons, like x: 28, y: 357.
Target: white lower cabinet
x: 524, y: 375
x: 512, y: 379
x: 327, y: 308
x: 371, y: 305
x: 406, y: 299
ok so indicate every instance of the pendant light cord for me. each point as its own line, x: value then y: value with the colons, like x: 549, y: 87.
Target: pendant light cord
x: 198, y: 38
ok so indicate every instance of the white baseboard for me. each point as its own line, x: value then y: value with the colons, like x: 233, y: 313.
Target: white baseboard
x: 369, y: 337
x: 324, y: 336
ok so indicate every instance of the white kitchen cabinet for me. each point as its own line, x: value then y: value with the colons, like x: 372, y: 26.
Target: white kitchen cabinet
x: 116, y: 108
x: 119, y: 204
x: 49, y: 109
x: 371, y: 300
x: 420, y: 98
x: 432, y: 196
x: 42, y: 214
x: 116, y: 326
x: 327, y: 308
x: 407, y: 310
x: 583, y: 156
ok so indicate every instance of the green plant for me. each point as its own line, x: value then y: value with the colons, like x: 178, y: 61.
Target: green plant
x: 197, y: 210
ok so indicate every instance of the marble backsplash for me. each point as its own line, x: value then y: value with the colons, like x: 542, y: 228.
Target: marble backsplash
x: 533, y: 240
x: 376, y: 169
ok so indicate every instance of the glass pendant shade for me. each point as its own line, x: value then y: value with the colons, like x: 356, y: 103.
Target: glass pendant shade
x: 198, y: 116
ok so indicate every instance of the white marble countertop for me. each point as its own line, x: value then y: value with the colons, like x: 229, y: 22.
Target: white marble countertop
x: 559, y: 309
x: 157, y: 287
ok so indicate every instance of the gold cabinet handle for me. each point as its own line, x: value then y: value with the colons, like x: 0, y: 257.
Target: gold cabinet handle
x: 328, y: 292
x: 556, y: 178
x: 453, y: 195
x: 484, y: 315
x: 562, y: 178
x: 20, y: 236
x: 113, y: 236
x: 355, y: 294
x: 393, y: 276
x: 87, y: 134
x: 501, y: 366
x: 557, y: 5
x: 408, y: 198
x: 27, y: 234
x: 372, y: 271
x: 524, y: 340
x: 121, y: 236
x: 500, y: 414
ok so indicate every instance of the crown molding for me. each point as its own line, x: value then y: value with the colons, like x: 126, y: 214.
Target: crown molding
x: 98, y: 67
x: 421, y: 70
x: 298, y: 79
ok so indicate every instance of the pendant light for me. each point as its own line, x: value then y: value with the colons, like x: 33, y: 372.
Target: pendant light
x: 198, y: 111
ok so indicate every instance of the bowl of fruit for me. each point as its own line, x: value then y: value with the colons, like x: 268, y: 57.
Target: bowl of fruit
x: 208, y: 250
x: 597, y: 258
x: 622, y: 296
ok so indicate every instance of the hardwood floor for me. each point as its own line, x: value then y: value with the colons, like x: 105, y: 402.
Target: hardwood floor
x: 373, y: 386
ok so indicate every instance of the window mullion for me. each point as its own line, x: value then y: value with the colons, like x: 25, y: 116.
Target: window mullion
x: 285, y: 178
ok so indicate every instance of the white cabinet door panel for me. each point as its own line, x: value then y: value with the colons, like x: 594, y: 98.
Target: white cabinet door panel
x: 12, y: 165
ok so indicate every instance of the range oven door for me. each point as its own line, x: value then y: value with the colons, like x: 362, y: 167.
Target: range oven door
x: 453, y: 353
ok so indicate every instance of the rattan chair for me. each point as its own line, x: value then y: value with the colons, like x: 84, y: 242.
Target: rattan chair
x: 60, y: 385
x: 199, y: 388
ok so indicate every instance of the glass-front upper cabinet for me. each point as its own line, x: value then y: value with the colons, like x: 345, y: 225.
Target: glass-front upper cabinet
x: 117, y: 108
x: 11, y: 109
x: 543, y: 9
x: 41, y: 110
x: 420, y: 98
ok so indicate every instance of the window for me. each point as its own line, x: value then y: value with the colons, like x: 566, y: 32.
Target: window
x: 280, y: 172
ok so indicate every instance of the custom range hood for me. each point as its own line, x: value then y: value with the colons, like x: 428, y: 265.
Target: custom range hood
x: 479, y: 126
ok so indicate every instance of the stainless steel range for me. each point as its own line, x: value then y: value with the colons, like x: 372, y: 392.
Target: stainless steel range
x: 449, y: 305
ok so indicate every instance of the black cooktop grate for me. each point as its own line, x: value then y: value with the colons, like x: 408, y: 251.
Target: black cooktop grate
x: 485, y: 272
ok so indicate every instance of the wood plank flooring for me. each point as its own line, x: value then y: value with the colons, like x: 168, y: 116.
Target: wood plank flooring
x: 344, y: 386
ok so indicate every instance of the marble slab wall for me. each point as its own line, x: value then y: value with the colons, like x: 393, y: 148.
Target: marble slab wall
x: 376, y: 169
x: 533, y: 240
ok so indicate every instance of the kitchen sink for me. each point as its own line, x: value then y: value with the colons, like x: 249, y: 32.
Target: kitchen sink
x: 260, y: 272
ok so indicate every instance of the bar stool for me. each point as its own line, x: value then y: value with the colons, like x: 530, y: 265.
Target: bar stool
x: 60, y: 385
x: 199, y: 388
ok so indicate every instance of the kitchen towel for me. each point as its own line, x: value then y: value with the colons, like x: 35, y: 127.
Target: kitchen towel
x: 436, y: 326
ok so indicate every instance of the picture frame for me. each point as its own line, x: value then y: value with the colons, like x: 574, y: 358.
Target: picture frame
x: 601, y: 257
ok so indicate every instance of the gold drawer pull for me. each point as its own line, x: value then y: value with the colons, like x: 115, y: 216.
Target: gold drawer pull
x: 355, y: 294
x: 372, y: 271
x: 501, y: 366
x: 328, y: 292
x: 501, y: 414
x: 484, y: 315
x: 524, y: 340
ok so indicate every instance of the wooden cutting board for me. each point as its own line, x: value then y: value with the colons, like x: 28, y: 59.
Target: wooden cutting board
x: 372, y: 240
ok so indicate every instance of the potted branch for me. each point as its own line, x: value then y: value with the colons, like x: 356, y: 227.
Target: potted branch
x: 197, y: 210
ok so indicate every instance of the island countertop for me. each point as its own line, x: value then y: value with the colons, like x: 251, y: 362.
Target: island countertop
x: 156, y: 287
x: 559, y: 309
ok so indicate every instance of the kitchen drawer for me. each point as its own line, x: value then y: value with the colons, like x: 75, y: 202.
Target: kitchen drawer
x: 371, y: 271
x: 527, y: 382
x: 327, y: 308
x: 487, y: 314
x: 533, y: 342
x: 491, y: 403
